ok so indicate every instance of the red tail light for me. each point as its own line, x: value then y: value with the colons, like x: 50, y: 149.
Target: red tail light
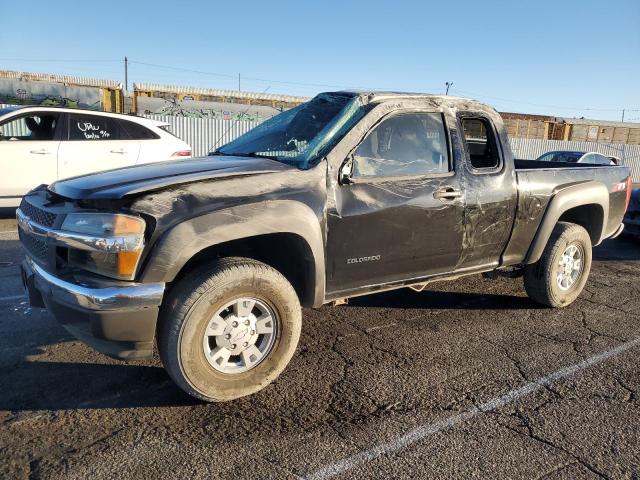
x: 628, y: 197
x: 182, y: 153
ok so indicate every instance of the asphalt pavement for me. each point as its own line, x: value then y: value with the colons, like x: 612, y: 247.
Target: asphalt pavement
x: 469, y: 379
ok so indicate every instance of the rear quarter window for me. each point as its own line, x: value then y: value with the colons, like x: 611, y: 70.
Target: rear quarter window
x: 167, y: 129
x: 135, y: 131
x: 482, y: 143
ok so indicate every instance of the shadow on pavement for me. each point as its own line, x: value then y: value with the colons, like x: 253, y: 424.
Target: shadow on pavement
x: 623, y: 248
x: 407, y: 298
x: 65, y: 386
x: 6, y: 212
x: 11, y: 253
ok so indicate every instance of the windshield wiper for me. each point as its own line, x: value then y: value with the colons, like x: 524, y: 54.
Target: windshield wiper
x: 258, y: 155
x: 250, y: 154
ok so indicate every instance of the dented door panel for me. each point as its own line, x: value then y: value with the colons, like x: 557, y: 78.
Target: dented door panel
x: 388, y: 231
x: 491, y: 199
x: 381, y: 231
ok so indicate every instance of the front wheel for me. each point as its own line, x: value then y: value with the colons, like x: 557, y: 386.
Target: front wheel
x: 229, y: 330
x: 559, y: 276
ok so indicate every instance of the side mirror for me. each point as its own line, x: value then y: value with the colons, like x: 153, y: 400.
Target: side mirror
x: 346, y: 171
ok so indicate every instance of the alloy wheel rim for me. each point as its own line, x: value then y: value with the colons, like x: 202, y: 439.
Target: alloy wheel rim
x: 570, y: 266
x: 240, y: 335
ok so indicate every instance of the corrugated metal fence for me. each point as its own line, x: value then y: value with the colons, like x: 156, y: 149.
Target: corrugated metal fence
x: 205, y: 134
x: 17, y: 128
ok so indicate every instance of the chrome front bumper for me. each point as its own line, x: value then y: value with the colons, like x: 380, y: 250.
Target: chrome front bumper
x: 95, y: 297
x: 116, y: 318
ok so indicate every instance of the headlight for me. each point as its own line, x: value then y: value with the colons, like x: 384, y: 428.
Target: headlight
x: 103, y: 224
x: 107, y: 244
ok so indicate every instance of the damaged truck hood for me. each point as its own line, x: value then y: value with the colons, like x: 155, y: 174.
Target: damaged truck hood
x: 122, y: 182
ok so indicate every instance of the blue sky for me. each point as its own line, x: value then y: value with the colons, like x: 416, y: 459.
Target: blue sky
x: 566, y: 58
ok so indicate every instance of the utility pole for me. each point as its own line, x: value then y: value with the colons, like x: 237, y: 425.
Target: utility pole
x: 624, y: 146
x: 126, y: 74
x: 448, y: 84
x: 239, y: 89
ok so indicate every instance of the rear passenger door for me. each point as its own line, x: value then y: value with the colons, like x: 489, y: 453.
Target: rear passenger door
x: 95, y: 143
x: 152, y: 147
x: 490, y: 190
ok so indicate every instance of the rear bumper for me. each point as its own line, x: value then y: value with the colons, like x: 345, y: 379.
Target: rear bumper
x: 116, y: 318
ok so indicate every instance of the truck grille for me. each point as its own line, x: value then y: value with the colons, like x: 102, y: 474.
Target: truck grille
x: 36, y: 247
x: 37, y: 215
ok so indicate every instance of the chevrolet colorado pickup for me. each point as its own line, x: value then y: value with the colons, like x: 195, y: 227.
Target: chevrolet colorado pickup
x: 348, y: 194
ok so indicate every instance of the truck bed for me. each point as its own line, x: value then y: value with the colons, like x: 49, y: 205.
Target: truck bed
x: 538, y: 182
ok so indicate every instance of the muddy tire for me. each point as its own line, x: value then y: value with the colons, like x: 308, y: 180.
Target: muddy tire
x: 228, y: 330
x: 559, y: 276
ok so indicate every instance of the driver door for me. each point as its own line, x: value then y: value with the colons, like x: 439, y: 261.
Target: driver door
x: 399, y: 210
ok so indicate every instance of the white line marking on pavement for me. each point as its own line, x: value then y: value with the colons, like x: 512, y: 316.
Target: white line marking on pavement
x: 424, y: 431
x: 388, y: 325
x: 7, y: 232
x: 12, y: 298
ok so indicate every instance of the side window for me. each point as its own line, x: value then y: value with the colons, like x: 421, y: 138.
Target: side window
x: 403, y: 144
x: 589, y: 158
x: 92, y: 127
x: 481, y: 143
x: 30, y: 127
x: 136, y: 131
x: 569, y: 157
x: 597, y: 159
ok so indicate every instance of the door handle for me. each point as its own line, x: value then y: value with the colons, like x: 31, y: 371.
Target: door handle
x: 42, y: 151
x: 447, y: 193
x: 121, y: 151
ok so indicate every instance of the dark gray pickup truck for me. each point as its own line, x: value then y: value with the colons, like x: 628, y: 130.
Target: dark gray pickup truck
x: 348, y: 194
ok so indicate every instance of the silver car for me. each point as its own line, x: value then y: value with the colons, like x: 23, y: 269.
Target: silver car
x: 579, y: 157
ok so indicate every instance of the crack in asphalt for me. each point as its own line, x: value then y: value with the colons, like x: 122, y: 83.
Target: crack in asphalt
x: 556, y: 469
x: 631, y: 394
x: 276, y: 465
x: 602, y: 303
x: 524, y: 422
x: 518, y: 365
x: 34, y: 469
x: 423, y: 431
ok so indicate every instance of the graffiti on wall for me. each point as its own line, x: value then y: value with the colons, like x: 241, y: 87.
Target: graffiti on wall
x: 203, y: 109
x: 48, y: 94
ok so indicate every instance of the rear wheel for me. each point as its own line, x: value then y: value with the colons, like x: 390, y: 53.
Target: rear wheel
x: 559, y: 276
x: 229, y: 330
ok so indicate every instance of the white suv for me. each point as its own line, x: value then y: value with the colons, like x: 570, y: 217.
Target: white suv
x: 44, y: 144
